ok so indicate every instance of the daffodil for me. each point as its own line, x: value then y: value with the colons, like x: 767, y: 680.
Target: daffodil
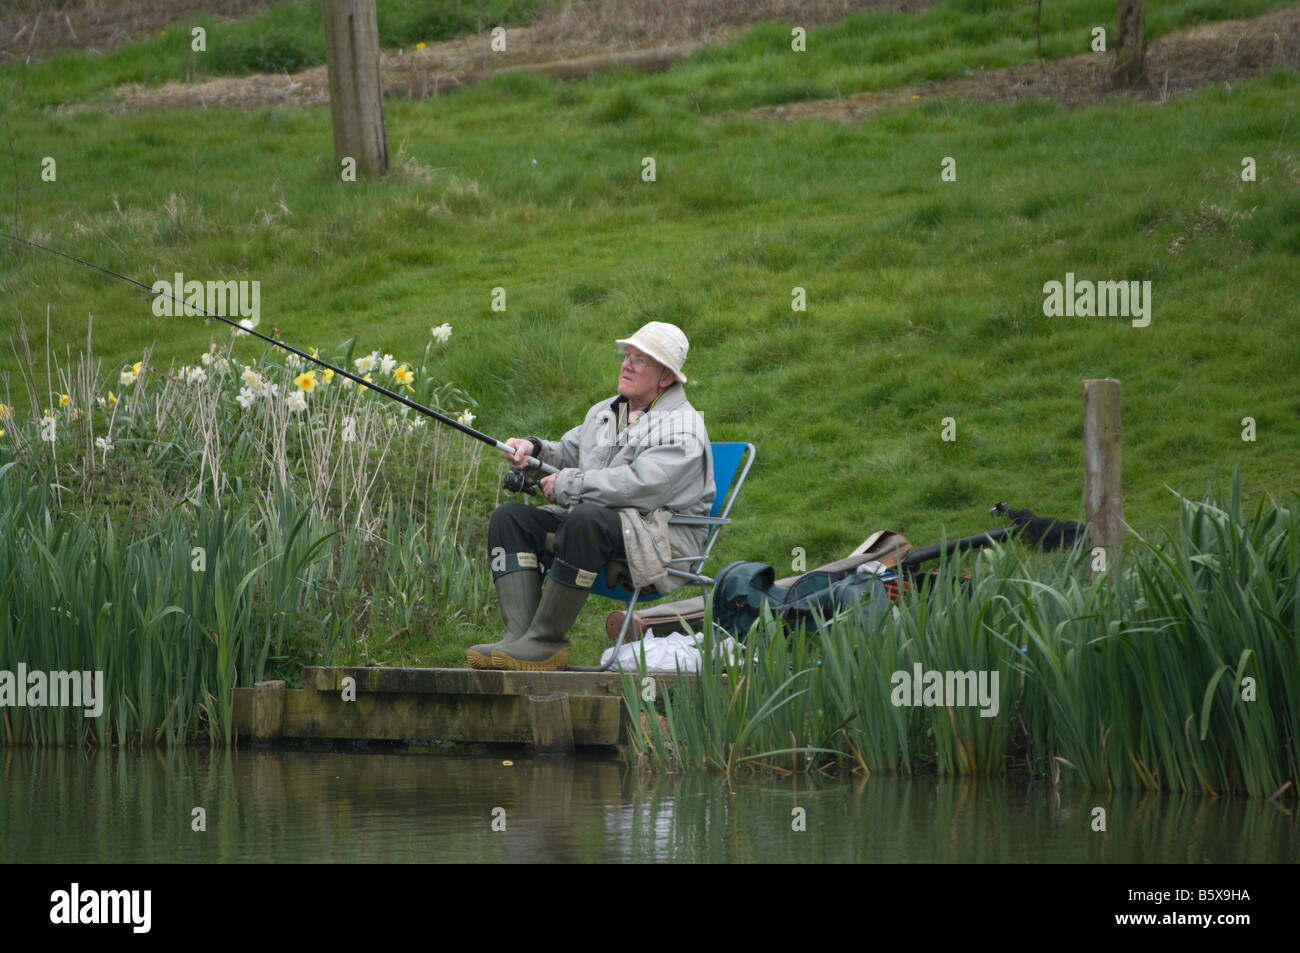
x: 137, y: 368
x: 103, y: 443
x: 387, y: 364
x: 442, y: 332
x: 306, y: 381
x: 245, y: 398
x: 64, y: 400
x: 293, y: 360
x: 206, y: 358
x: 253, y: 380
x: 313, y: 352
x: 297, y: 401
x: 366, y: 364
x: 465, y: 418
x: 419, y: 46
x: 112, y: 399
x: 405, y: 375
x: 327, y: 375
x: 194, y: 375
x: 367, y: 378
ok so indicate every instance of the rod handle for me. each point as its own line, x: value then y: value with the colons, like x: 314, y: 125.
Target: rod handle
x: 509, y: 451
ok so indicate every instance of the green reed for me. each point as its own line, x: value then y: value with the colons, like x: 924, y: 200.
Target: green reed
x: 1179, y: 671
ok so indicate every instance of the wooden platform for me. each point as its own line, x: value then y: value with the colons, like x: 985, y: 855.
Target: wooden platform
x: 440, y: 704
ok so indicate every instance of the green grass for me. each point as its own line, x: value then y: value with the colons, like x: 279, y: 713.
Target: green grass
x: 925, y: 297
x: 287, y: 37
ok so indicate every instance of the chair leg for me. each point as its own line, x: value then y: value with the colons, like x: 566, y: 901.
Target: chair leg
x: 628, y: 620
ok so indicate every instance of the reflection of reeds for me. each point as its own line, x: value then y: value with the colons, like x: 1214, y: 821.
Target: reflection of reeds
x: 1140, y: 680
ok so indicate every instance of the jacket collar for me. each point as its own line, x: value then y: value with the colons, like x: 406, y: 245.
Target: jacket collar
x: 670, y: 399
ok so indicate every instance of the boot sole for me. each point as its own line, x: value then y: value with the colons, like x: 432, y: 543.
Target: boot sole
x: 555, y: 663
x: 478, y: 660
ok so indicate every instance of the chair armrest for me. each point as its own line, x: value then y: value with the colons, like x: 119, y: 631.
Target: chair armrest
x: 693, y: 576
x: 699, y: 520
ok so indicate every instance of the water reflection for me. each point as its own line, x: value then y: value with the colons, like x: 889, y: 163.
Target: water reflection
x: 390, y: 806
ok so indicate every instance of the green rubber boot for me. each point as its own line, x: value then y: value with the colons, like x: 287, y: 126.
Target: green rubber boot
x: 544, y: 648
x: 519, y: 593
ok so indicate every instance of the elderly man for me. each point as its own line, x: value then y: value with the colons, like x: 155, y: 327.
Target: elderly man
x: 633, y: 462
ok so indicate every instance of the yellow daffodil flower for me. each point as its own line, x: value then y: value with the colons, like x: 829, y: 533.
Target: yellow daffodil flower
x: 306, y: 381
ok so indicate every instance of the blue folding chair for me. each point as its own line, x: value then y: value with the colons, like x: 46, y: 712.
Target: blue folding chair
x: 731, y: 463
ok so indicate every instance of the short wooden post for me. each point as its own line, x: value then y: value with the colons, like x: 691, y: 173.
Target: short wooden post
x: 1130, y: 66
x: 552, y: 723
x: 356, y: 94
x: 268, y: 711
x: 1103, y: 487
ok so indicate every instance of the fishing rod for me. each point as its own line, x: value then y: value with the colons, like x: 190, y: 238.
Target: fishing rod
x: 515, y: 480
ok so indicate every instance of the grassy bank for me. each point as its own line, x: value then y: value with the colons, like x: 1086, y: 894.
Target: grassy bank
x: 1177, y: 674
x: 924, y: 296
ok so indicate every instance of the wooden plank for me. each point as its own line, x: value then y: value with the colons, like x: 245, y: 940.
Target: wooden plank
x: 1103, y: 484
x: 399, y: 716
x: 552, y: 724
x: 462, y: 681
x: 242, y: 712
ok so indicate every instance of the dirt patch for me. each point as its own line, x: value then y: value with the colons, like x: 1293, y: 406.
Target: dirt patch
x: 574, y: 41
x: 1177, y: 63
x: 43, y: 27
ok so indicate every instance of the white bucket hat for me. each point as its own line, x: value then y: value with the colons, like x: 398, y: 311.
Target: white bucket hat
x: 664, y: 342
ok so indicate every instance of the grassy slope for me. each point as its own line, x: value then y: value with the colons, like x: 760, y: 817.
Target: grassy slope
x: 925, y: 297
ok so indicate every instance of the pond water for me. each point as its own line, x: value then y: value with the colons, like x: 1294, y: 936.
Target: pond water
x: 390, y: 805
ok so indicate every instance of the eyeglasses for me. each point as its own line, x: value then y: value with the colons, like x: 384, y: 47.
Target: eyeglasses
x: 638, y: 362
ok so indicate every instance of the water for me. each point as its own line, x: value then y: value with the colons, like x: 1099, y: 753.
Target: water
x: 349, y: 805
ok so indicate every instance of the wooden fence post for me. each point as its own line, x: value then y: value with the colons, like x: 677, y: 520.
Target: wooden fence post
x: 268, y: 711
x: 356, y: 95
x: 552, y: 723
x: 1130, y: 67
x: 1103, y: 486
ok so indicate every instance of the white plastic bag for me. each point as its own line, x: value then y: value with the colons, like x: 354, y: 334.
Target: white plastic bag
x: 670, y: 653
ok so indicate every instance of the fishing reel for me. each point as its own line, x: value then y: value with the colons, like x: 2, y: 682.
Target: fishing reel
x: 516, y: 481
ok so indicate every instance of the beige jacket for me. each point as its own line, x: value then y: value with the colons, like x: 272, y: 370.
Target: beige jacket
x: 649, y: 470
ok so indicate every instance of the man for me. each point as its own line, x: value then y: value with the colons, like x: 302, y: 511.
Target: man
x: 633, y: 462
